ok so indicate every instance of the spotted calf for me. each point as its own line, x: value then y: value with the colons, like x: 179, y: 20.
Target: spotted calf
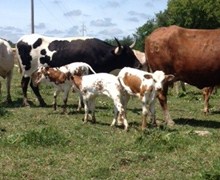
x: 93, y: 85
x: 60, y: 79
x: 145, y: 86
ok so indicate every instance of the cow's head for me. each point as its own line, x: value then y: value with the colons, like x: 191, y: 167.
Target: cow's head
x: 125, y: 56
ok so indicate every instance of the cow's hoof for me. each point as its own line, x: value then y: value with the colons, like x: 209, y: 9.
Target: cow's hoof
x: 43, y: 104
x: 25, y: 104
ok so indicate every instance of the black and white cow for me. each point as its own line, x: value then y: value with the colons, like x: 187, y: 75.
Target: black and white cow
x: 36, y: 50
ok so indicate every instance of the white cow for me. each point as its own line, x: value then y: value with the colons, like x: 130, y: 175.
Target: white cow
x: 6, y: 66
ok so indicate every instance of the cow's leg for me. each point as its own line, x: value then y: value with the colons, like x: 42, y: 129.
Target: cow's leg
x: 182, y: 84
x: 114, y: 121
x: 207, y: 91
x: 144, y: 116
x: 125, y: 98
x: 92, y: 109
x: 0, y: 88
x: 119, y: 113
x: 179, y: 84
x: 86, y: 109
x: 122, y: 115
x: 24, y: 86
x: 37, y: 93
x: 55, y: 94
x: 152, y: 113
x: 124, y: 101
x: 8, y: 86
x: 162, y: 96
x: 65, y: 99
x: 80, y: 103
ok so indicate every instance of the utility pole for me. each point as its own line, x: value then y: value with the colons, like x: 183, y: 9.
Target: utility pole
x: 83, y: 30
x: 32, y: 16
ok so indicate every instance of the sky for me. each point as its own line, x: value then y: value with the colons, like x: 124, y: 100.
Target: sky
x: 103, y: 19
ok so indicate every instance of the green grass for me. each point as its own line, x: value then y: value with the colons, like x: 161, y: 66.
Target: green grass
x: 38, y: 143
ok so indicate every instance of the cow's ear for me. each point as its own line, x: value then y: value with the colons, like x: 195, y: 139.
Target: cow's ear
x: 169, y: 77
x: 148, y: 76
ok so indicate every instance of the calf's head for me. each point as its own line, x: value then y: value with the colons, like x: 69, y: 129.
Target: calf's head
x: 53, y: 75
x: 160, y: 78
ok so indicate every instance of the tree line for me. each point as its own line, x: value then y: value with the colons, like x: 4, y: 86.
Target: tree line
x: 196, y: 14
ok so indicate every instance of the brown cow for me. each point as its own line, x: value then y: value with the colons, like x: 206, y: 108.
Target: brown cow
x: 193, y: 56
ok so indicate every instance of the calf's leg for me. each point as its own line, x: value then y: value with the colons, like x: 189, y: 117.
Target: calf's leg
x: 55, y: 94
x: 152, y: 113
x: 92, y: 109
x: 80, y: 103
x: 86, y: 109
x: 144, y: 116
x: 119, y: 114
x: 65, y: 99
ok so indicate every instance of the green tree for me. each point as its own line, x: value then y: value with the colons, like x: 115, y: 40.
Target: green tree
x: 144, y: 31
x: 124, y: 41
x: 199, y: 14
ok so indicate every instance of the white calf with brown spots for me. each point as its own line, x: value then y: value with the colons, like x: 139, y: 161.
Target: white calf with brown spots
x: 143, y: 85
x: 60, y: 79
x: 93, y: 85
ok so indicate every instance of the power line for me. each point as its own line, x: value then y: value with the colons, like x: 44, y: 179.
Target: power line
x: 61, y: 24
x: 63, y: 10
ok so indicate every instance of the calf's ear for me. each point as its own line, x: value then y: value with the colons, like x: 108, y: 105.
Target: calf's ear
x: 169, y: 77
x: 148, y: 76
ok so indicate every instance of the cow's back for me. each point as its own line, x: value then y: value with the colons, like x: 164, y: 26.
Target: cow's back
x: 36, y: 50
x: 191, y: 55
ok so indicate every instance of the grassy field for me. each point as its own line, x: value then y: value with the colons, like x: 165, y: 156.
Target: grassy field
x: 38, y: 143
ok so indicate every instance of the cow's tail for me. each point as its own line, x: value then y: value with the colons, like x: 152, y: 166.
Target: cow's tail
x: 147, y: 65
x: 17, y: 57
x: 20, y: 68
x: 90, y: 68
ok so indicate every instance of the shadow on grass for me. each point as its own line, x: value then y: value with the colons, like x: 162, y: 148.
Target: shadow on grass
x: 198, y: 123
x: 135, y: 110
x: 215, y: 112
x: 19, y: 103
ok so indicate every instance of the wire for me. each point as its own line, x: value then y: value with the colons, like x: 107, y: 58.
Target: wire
x: 59, y: 23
